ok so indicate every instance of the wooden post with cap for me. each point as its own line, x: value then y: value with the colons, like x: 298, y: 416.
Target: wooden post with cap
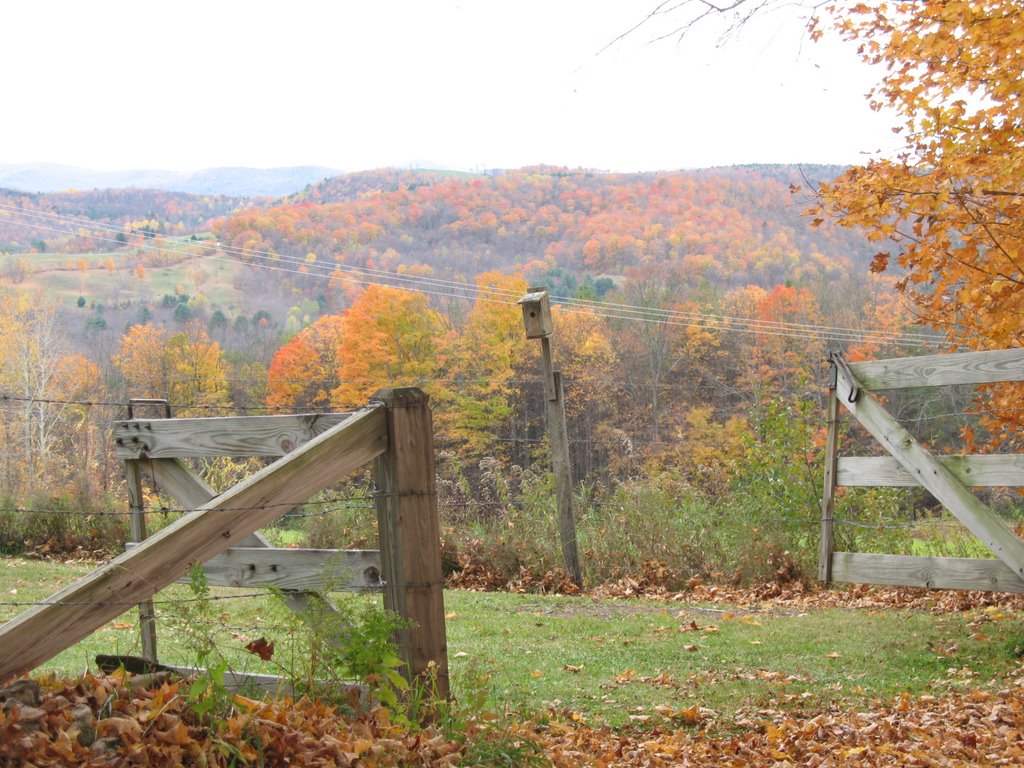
x: 537, y: 320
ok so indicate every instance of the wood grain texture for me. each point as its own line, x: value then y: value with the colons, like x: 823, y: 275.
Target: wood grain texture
x: 941, y: 370
x: 929, y: 572
x: 932, y: 474
x: 313, y: 570
x: 828, y: 496
x: 223, y: 436
x: 981, y: 471
x: 72, y: 613
x: 410, y: 534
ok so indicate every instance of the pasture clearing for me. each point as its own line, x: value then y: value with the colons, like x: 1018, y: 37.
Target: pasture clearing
x: 622, y: 663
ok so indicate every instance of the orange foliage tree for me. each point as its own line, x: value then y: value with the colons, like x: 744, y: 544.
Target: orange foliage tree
x: 304, y: 371
x: 390, y: 340
x: 787, y: 346
x: 953, y: 200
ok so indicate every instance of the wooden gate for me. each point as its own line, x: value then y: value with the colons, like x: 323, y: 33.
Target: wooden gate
x: 395, y: 431
x: 948, y: 478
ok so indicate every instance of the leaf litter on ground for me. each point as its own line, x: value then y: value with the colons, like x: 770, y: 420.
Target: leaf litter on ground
x: 120, y: 720
x: 111, y: 720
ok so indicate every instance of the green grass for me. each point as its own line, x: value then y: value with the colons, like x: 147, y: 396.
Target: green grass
x: 100, y: 286
x: 615, y: 662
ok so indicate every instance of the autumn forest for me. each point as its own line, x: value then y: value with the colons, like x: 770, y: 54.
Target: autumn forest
x: 702, y: 324
x: 693, y: 314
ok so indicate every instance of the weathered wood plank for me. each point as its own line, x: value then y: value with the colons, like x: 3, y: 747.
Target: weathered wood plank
x: 245, y: 682
x: 940, y: 370
x: 930, y: 572
x: 356, y: 695
x: 192, y: 493
x: 828, y: 496
x: 82, y: 607
x: 980, y: 471
x: 950, y: 492
x: 175, y: 479
x: 337, y: 570
x: 219, y: 436
x: 410, y: 534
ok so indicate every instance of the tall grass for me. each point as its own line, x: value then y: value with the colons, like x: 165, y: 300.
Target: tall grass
x: 60, y: 526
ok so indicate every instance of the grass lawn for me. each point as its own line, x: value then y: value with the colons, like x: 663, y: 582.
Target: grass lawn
x: 614, y: 662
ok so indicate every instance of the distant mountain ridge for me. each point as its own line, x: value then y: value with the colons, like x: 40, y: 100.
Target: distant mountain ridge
x: 233, y: 182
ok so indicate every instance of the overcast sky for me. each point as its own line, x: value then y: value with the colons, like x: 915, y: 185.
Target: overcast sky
x: 469, y: 85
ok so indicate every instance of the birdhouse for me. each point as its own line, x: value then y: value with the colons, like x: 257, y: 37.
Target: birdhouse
x: 537, y: 314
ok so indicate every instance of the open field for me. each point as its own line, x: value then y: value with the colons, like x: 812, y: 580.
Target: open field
x: 617, y: 662
x: 59, y: 276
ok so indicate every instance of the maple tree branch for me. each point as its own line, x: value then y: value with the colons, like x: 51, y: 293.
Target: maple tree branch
x: 705, y: 9
x: 1001, y: 193
x: 979, y: 222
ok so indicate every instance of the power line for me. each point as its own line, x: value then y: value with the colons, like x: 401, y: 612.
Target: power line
x: 466, y: 291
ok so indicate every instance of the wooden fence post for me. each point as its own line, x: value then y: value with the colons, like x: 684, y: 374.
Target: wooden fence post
x: 410, y: 534
x: 828, y: 496
x: 137, y: 525
x: 539, y: 325
x: 562, y: 467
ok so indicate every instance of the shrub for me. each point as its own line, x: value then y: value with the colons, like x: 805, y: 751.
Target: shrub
x: 53, y: 527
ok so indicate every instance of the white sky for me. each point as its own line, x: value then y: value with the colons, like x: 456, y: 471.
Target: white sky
x: 471, y: 84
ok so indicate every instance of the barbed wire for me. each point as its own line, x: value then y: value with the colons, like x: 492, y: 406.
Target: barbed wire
x: 351, y: 408
x: 130, y: 603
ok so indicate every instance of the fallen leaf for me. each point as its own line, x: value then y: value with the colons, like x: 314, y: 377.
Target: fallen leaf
x: 177, y: 735
x: 261, y: 647
x: 127, y: 729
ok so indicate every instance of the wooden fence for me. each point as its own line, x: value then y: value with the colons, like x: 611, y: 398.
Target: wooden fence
x: 314, y: 452
x: 948, y: 478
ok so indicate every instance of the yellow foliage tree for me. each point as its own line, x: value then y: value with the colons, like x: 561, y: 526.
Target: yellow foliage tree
x: 186, y: 368
x: 479, y: 360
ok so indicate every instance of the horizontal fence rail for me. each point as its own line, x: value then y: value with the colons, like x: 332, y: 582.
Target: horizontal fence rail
x: 909, y: 464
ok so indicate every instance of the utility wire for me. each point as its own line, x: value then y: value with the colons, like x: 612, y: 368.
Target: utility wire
x: 467, y: 291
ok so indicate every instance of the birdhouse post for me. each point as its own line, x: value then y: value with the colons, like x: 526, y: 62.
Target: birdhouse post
x: 537, y: 320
